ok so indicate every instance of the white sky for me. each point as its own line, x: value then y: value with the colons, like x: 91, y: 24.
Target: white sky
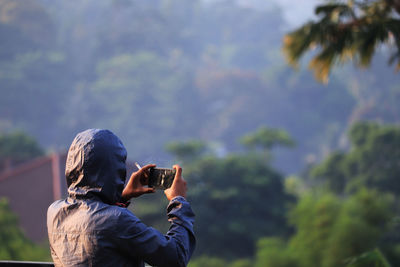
x: 298, y: 12
x: 295, y: 12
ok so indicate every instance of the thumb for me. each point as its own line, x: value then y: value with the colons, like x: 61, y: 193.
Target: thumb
x: 178, y: 170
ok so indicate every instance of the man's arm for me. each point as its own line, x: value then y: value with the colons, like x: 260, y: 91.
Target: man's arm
x: 181, y: 216
x: 173, y: 249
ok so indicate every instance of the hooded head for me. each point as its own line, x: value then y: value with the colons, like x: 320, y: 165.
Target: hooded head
x: 96, y: 166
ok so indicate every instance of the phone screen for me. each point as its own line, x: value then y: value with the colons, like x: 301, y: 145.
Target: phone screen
x: 161, y: 178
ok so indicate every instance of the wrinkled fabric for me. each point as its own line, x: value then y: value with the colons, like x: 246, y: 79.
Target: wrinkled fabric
x: 87, y: 229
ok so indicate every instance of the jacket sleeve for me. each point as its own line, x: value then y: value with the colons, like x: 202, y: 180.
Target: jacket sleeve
x: 173, y: 249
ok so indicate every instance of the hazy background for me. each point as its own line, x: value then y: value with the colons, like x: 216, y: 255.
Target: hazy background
x: 159, y: 71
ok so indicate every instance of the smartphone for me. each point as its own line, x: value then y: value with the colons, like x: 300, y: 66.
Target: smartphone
x: 161, y: 178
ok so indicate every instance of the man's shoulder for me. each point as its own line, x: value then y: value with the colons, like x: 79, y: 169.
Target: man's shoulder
x: 91, y: 214
x: 88, y: 206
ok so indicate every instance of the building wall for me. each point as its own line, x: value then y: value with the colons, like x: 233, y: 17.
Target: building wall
x: 30, y: 189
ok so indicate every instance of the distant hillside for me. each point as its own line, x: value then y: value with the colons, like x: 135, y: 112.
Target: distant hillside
x: 157, y: 71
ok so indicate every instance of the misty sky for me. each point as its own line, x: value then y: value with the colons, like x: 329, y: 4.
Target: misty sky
x: 295, y: 12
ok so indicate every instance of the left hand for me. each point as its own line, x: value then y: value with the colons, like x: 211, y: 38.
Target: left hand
x: 137, y: 184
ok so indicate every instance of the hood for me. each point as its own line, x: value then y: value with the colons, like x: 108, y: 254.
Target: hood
x: 95, y: 166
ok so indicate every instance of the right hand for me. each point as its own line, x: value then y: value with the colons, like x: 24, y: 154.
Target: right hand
x: 178, y: 187
x: 137, y: 184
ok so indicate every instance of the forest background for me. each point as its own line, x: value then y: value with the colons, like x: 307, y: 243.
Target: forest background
x: 283, y: 170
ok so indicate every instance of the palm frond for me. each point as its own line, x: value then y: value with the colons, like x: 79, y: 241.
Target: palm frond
x: 322, y: 64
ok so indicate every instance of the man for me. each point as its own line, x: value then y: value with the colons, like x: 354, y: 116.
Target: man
x: 92, y: 228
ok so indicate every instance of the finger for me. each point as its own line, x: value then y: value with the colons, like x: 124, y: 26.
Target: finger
x: 178, y: 170
x: 150, y: 190
x: 178, y: 175
x: 145, y: 170
x: 148, y: 166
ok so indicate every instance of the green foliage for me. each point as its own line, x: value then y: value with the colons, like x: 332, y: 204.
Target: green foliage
x: 30, y: 19
x: 236, y: 193
x: 123, y: 84
x: 208, y: 71
x: 218, y: 262
x: 33, y: 84
x: 351, y: 30
x: 371, y: 258
x: 13, y: 243
x: 333, y: 171
x: 331, y: 231
x: 17, y: 147
x: 313, y: 219
x: 242, y: 263
x: 265, y: 139
x: 372, y: 161
x: 361, y: 222
x: 208, y: 261
x: 187, y: 151
x: 273, y: 252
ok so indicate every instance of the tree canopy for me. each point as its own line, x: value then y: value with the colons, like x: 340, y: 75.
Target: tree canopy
x: 346, y: 30
x: 331, y: 231
x: 17, y: 147
x: 373, y: 161
x: 345, y: 215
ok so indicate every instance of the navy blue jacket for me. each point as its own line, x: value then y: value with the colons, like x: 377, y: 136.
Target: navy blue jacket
x: 88, y: 229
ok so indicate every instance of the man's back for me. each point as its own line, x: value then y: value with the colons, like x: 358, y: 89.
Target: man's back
x: 86, y: 233
x: 90, y: 229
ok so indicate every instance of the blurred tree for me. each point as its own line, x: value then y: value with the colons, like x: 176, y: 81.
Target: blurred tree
x: 226, y: 82
x: 29, y: 18
x: 272, y: 251
x: 371, y: 258
x: 186, y: 151
x: 358, y: 227
x: 241, y: 263
x: 34, y: 90
x: 265, y: 139
x: 373, y: 161
x: 14, y: 245
x: 17, y: 147
x: 208, y: 261
x: 141, y: 91
x: 332, y: 231
x: 239, y: 193
x: 218, y: 262
x: 351, y: 30
x: 15, y: 43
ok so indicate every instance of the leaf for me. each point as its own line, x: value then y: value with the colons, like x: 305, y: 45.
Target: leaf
x: 370, y: 258
x: 322, y: 63
x: 342, y: 36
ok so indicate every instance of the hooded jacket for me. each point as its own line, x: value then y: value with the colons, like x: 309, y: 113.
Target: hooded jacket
x: 88, y: 229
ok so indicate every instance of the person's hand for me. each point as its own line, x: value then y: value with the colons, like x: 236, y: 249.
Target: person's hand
x: 137, y: 184
x: 178, y: 187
